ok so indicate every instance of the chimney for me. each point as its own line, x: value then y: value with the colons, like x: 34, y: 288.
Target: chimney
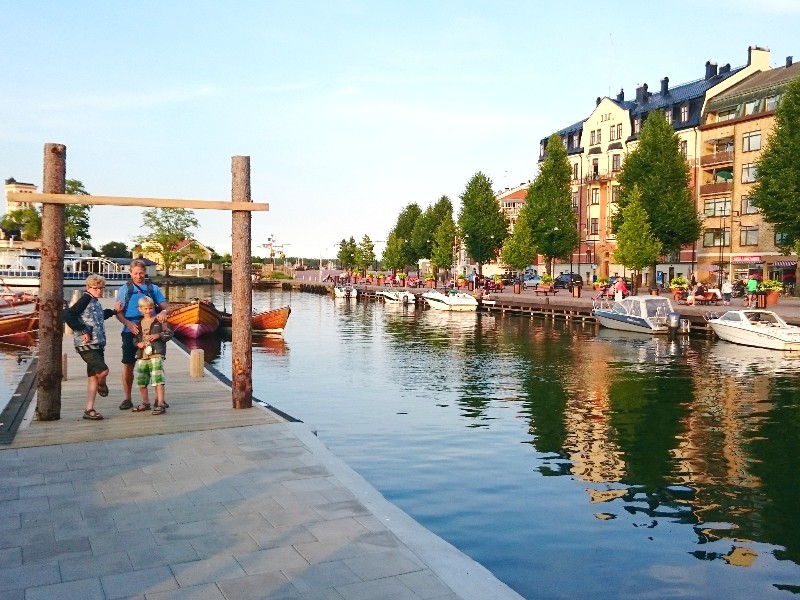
x: 724, y: 69
x: 597, y: 102
x: 665, y: 86
x: 788, y: 61
x: 621, y: 95
x: 711, y: 69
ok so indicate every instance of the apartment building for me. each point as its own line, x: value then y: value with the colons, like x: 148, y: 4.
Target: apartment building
x: 12, y: 185
x: 596, y: 148
x: 736, y: 127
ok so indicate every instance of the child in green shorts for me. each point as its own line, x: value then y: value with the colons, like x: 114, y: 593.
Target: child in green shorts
x: 151, y: 344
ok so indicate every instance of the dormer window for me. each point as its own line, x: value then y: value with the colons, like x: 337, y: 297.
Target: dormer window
x: 668, y: 115
x: 637, y: 125
x: 685, y: 113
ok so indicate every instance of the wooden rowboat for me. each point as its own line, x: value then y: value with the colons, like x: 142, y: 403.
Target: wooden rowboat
x: 18, y: 326
x: 268, y: 321
x: 194, y: 320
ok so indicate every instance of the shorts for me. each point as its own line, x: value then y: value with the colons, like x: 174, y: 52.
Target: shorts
x: 150, y: 371
x: 726, y: 297
x: 95, y: 362
x: 128, y: 349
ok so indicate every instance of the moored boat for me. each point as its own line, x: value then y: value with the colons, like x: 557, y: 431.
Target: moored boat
x: 193, y: 320
x: 397, y: 297
x: 23, y: 269
x: 345, y: 291
x: 757, y: 328
x: 267, y: 321
x: 18, y: 326
x: 643, y: 314
x: 456, y: 301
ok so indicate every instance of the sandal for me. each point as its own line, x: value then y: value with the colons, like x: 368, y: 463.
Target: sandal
x: 126, y: 405
x: 92, y: 415
x: 102, y: 389
x: 159, y: 410
x: 143, y: 407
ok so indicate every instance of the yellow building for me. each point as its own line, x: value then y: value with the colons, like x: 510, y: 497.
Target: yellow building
x: 736, y: 127
x: 12, y: 185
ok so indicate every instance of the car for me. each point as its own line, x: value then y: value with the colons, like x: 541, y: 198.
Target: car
x: 568, y: 280
x: 531, y: 281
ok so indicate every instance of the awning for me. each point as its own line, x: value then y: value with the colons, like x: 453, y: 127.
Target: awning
x: 785, y: 263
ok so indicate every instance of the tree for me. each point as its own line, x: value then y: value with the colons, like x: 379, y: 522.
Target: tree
x: 403, y: 230
x: 26, y: 220
x: 637, y: 247
x: 347, y: 253
x: 426, y: 225
x: 519, y: 251
x: 657, y: 166
x: 76, y: 216
x: 364, y: 254
x: 393, y: 254
x: 166, y: 227
x: 115, y: 250
x: 777, y: 190
x: 547, y: 216
x: 442, y: 256
x: 483, y: 225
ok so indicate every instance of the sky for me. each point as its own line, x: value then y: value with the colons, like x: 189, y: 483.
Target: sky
x: 348, y: 109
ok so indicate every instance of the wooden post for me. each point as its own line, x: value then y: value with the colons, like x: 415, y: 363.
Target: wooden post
x: 197, y: 363
x: 51, y: 290
x: 241, y: 288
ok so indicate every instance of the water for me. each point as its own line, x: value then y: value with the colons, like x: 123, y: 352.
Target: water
x: 571, y: 463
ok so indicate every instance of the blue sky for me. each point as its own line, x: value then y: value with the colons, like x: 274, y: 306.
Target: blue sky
x: 349, y: 109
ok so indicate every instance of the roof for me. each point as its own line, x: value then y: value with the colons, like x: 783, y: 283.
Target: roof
x: 758, y: 85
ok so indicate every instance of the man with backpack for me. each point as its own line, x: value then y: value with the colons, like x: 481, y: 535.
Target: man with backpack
x: 128, y: 314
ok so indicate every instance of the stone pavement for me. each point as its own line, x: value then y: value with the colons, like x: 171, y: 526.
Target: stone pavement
x: 205, y: 502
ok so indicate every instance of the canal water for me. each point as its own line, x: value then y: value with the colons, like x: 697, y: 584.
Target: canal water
x: 571, y: 462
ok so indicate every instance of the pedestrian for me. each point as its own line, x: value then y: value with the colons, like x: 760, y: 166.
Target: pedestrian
x: 620, y: 289
x: 727, y: 292
x: 752, y: 288
x: 151, y: 349
x: 87, y: 318
x: 128, y: 314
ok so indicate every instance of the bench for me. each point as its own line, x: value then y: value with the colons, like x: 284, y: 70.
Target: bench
x: 545, y: 289
x: 708, y: 298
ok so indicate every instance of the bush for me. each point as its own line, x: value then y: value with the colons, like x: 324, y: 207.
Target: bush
x: 547, y: 279
x: 678, y: 283
x: 772, y: 285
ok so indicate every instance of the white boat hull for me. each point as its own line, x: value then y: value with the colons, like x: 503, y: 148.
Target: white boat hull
x: 757, y: 328
x: 345, y: 292
x: 755, y: 339
x: 455, y: 303
x: 634, y: 324
x: 392, y: 297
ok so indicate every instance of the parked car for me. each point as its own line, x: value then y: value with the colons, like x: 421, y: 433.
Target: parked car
x: 531, y: 281
x: 568, y: 280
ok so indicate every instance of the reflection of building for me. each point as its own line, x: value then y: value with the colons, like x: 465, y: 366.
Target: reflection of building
x: 737, y: 125
x: 596, y: 148
x: 12, y: 185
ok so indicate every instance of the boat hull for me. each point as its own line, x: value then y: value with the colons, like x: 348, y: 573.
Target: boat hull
x: 18, y: 326
x: 452, y: 303
x: 392, y: 297
x: 194, y: 320
x: 269, y: 321
x: 621, y: 322
x: 756, y: 339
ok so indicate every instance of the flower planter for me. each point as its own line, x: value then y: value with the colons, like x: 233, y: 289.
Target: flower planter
x: 771, y: 297
x: 431, y: 283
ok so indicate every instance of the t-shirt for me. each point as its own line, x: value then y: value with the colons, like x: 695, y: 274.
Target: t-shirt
x: 752, y: 285
x: 132, y: 312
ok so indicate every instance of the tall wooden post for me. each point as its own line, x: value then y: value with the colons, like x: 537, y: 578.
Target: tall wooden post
x: 241, y: 288
x: 51, y: 290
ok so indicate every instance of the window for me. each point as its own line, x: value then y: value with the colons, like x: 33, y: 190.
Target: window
x: 716, y: 237
x: 637, y: 125
x: 541, y: 149
x: 748, y: 172
x: 752, y: 107
x: 595, y: 195
x: 748, y: 235
x: 612, y: 133
x: 564, y: 141
x: 575, y: 172
x: 575, y: 200
x: 616, y: 161
x: 726, y: 115
x: 685, y: 113
x: 619, y: 131
x: 615, y: 194
x: 576, y: 142
x: 751, y: 141
x: 591, y: 138
x: 747, y: 208
x: 599, y: 132
x: 772, y: 102
x: 781, y: 239
x: 595, y: 227
x: 717, y: 207
x: 668, y: 115
x: 684, y: 149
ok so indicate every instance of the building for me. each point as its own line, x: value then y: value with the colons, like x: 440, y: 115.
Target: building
x: 12, y: 185
x: 596, y: 148
x: 186, y: 251
x: 736, y: 126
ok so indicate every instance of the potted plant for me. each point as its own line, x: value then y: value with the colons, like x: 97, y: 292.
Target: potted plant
x: 772, y: 288
x: 678, y: 283
x: 402, y: 277
x: 547, y: 279
x: 430, y: 279
x: 601, y: 281
x: 370, y: 276
x: 461, y: 280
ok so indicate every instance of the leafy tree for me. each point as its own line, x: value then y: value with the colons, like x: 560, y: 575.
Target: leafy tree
x: 403, y: 230
x: 547, y: 216
x: 347, y: 253
x: 657, y: 166
x: 518, y: 250
x: 442, y: 255
x: 166, y: 227
x: 394, y: 257
x: 483, y: 225
x: 777, y: 189
x: 637, y: 247
x: 365, y: 254
x: 76, y: 216
x: 426, y: 225
x: 27, y: 220
x: 115, y: 250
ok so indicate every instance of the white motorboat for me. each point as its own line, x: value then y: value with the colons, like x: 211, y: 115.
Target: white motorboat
x: 397, y: 297
x: 22, y: 269
x: 643, y: 314
x: 345, y: 291
x: 757, y: 328
x: 454, y: 301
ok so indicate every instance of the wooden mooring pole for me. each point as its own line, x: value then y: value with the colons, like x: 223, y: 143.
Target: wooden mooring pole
x: 241, y: 288
x: 51, y: 287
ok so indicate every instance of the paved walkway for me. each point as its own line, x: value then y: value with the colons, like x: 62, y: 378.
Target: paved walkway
x: 205, y: 502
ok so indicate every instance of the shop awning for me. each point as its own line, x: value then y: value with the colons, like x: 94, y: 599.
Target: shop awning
x: 743, y: 260
x: 785, y: 263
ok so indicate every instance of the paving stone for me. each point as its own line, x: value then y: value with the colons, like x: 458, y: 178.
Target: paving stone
x: 271, y: 560
x: 223, y: 543
x: 258, y: 587
x: 10, y: 557
x: 55, y: 549
x: 146, y: 581
x: 125, y: 540
x: 85, y: 589
x: 380, y: 589
x: 162, y: 555
x: 26, y: 536
x: 25, y: 576
x: 320, y: 576
x: 207, y: 591
x: 208, y: 570
x: 426, y: 585
x: 81, y: 567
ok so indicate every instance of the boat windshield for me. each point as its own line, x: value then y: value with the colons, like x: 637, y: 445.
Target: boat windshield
x: 763, y: 318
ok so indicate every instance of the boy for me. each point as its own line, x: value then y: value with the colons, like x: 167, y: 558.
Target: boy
x: 151, y: 349
x: 86, y: 319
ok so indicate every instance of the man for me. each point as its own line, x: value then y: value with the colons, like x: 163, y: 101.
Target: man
x: 128, y: 314
x: 752, y: 288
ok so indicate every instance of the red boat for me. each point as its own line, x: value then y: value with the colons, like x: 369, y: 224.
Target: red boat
x: 194, y: 320
x: 268, y: 321
x: 18, y: 326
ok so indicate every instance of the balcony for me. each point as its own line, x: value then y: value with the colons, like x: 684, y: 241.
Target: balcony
x: 717, y: 158
x: 600, y: 176
x: 716, y: 188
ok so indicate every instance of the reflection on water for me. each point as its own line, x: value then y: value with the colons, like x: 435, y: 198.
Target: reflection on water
x: 571, y: 462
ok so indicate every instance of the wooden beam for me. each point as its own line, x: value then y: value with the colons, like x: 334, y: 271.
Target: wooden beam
x: 143, y: 202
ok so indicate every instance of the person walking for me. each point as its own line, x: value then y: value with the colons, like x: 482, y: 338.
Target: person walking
x: 727, y: 291
x: 752, y: 288
x: 128, y: 314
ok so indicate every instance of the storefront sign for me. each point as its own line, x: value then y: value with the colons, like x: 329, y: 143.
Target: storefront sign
x: 746, y: 259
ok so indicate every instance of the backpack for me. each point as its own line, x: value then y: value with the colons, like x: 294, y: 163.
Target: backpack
x: 148, y: 292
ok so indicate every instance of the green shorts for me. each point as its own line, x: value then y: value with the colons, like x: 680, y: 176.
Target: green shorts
x: 150, y: 371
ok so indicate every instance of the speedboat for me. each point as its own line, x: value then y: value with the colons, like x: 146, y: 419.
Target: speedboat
x: 757, y: 328
x: 644, y: 314
x: 345, y: 291
x: 454, y: 301
x: 397, y: 297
